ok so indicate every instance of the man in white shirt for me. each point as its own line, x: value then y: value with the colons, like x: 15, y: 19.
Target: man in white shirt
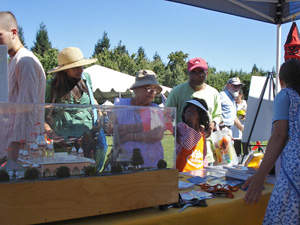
x: 27, y: 82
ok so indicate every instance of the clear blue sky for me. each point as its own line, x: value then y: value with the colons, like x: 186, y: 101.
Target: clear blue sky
x: 224, y: 41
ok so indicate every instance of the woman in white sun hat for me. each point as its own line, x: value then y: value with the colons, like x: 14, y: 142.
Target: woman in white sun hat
x: 141, y: 128
x: 70, y: 85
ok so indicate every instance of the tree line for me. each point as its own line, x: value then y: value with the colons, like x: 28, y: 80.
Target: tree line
x: 169, y: 74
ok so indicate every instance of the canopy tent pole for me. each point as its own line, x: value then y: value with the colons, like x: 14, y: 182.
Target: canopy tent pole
x: 278, y: 54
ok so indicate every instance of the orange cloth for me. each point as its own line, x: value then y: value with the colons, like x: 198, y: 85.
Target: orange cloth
x: 189, y: 160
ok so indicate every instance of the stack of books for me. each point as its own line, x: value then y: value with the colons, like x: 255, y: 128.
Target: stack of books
x: 239, y: 172
x: 216, y: 171
x: 242, y: 173
x: 211, y: 180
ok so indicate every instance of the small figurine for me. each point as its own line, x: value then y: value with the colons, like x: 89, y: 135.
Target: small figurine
x: 137, y: 158
x: 161, y: 164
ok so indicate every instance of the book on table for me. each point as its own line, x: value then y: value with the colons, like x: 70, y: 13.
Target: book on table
x: 240, y: 169
x: 239, y: 172
x: 254, y: 160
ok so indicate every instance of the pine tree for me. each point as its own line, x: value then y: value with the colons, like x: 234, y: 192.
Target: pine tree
x: 102, y: 44
x: 158, y: 67
x: 254, y: 69
x: 121, y: 49
x: 140, y: 54
x: 42, y: 43
x: 177, y: 58
x: 156, y: 57
x: 21, y: 36
x: 49, y: 60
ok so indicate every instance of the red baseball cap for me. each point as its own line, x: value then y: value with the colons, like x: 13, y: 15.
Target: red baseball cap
x: 196, y: 63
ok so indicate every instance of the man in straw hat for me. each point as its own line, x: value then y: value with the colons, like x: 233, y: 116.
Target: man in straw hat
x: 26, y: 84
x: 71, y: 86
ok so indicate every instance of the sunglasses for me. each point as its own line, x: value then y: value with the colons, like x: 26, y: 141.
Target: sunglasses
x: 220, y: 190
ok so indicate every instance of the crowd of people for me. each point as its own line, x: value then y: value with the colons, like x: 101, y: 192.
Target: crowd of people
x: 201, y: 110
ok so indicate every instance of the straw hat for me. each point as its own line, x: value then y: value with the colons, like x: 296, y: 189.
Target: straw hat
x: 145, y: 77
x: 71, y: 57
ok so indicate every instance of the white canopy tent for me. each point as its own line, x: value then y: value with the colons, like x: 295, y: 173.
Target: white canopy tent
x: 109, y: 84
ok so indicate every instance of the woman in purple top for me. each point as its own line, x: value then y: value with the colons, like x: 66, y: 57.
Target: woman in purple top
x: 138, y: 127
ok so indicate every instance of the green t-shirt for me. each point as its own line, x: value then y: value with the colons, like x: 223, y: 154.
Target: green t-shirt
x: 184, y: 92
x: 69, y: 120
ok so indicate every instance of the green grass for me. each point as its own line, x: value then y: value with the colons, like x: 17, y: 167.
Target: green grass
x: 168, y: 143
x: 169, y: 149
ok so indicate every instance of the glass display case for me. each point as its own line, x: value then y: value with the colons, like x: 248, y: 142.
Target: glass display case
x: 45, y: 136
x: 130, y: 150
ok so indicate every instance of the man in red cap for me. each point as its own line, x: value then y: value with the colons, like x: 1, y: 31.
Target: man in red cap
x: 197, y: 88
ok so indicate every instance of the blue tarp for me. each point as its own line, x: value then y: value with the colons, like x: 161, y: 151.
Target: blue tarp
x: 270, y: 11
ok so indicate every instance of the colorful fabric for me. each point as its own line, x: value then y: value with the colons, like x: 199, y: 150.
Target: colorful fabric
x: 184, y: 92
x: 190, y: 149
x: 151, y: 152
x: 292, y: 44
x: 284, y: 204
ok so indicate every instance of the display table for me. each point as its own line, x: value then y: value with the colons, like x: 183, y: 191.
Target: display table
x: 218, y: 211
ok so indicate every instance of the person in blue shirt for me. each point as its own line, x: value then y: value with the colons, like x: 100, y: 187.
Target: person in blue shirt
x: 228, y: 104
x: 283, y: 206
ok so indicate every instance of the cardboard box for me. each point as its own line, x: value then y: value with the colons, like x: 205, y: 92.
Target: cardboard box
x: 61, y: 199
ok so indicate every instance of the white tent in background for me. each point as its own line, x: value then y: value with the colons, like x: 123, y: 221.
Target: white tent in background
x: 109, y: 84
x: 107, y: 103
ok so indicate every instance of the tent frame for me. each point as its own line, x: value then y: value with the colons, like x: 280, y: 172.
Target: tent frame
x: 283, y: 11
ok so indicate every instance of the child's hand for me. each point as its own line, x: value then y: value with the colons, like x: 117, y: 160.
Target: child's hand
x: 211, y: 128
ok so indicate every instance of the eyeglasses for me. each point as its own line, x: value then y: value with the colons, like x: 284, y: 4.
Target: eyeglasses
x: 151, y: 88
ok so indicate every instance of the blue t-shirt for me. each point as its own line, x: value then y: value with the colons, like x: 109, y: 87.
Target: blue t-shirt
x: 229, y: 109
x: 281, y: 106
